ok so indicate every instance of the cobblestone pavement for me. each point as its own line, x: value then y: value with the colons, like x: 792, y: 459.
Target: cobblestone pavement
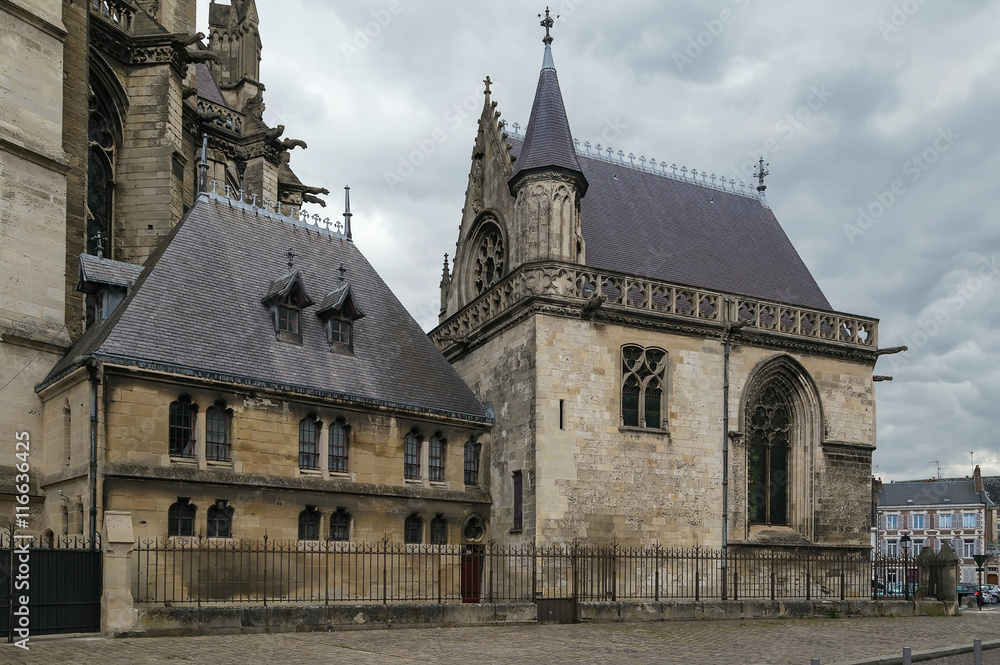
x: 771, y: 642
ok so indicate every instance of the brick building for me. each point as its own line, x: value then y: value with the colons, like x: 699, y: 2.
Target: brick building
x: 955, y: 512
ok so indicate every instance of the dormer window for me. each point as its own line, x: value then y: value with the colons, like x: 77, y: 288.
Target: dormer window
x: 106, y: 284
x: 339, y: 311
x: 285, y: 299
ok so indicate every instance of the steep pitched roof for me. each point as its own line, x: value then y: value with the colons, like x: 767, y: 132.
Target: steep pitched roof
x: 206, y: 86
x: 548, y: 142
x: 196, y: 309
x: 647, y: 224
x: 932, y: 493
x: 102, y: 271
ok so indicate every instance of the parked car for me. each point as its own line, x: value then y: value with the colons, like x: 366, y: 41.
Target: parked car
x: 967, y: 590
x: 991, y: 593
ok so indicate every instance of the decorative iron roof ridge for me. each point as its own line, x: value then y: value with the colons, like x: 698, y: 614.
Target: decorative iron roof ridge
x: 746, y: 191
x: 227, y: 377
x: 274, y: 210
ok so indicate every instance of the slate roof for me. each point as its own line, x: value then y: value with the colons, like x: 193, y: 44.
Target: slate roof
x: 206, y: 86
x: 548, y: 141
x: 932, y: 493
x: 641, y: 223
x: 105, y: 271
x: 992, y: 486
x: 197, y: 309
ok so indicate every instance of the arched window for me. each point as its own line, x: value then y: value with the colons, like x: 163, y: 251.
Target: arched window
x: 218, y: 425
x: 439, y: 530
x: 180, y: 518
x: 309, y: 524
x: 309, y: 443
x: 489, y: 257
x: 338, y: 447
x: 413, y: 529
x: 182, y: 414
x: 340, y: 525
x: 411, y: 455
x: 768, y: 425
x: 643, y: 371
x: 472, y: 450
x: 220, y: 520
x: 435, y: 458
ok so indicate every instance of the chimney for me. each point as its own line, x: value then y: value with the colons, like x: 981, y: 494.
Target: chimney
x: 977, y: 478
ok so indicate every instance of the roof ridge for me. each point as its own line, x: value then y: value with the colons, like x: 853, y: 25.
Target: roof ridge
x: 274, y: 210
x: 744, y: 190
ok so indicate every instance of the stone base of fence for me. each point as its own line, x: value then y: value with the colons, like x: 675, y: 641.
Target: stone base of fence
x: 177, y: 621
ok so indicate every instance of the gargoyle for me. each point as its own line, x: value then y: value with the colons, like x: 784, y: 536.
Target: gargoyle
x: 273, y: 134
x: 191, y: 38
x: 316, y: 190
x: 288, y: 144
x: 201, y: 56
x: 309, y: 198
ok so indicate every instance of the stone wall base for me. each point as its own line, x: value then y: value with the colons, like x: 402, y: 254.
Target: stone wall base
x: 176, y: 621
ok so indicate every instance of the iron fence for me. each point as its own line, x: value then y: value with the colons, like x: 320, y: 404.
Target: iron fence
x: 189, y: 571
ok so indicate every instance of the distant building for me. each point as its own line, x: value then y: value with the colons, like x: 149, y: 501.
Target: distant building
x: 956, y: 513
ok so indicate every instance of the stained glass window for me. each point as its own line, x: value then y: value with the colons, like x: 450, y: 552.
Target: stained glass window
x: 642, y: 386
x: 768, y: 424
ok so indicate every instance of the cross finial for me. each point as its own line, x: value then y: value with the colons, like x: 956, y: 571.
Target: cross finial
x: 547, y: 23
x: 291, y: 257
x: 341, y: 270
x: 100, y: 244
x: 488, y: 82
x: 762, y: 173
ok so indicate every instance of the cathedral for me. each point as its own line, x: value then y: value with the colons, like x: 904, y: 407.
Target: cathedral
x: 625, y: 353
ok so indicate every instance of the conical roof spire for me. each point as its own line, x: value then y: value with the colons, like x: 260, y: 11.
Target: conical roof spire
x: 548, y: 141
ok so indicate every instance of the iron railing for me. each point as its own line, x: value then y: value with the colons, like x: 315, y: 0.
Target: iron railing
x: 189, y: 571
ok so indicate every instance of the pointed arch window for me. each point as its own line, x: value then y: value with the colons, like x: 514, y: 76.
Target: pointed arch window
x: 643, y: 372
x: 309, y: 524
x: 182, y: 413
x: 489, y: 257
x: 338, y: 447
x: 768, y: 426
x: 218, y: 430
x: 180, y: 518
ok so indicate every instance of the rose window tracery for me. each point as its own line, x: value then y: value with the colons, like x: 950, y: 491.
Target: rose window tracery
x: 488, y: 262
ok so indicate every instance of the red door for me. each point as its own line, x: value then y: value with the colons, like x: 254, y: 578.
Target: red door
x: 472, y: 571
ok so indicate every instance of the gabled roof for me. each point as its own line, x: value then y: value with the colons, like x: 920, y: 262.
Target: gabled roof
x: 932, y: 493
x: 289, y: 284
x: 206, y: 86
x: 652, y: 225
x: 96, y: 271
x: 336, y: 301
x: 548, y: 141
x: 196, y: 310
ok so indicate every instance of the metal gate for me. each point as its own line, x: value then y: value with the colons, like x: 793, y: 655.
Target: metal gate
x: 556, y: 586
x: 61, y: 580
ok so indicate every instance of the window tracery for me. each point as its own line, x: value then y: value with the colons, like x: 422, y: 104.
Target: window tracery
x: 643, y: 371
x: 768, y: 426
x: 489, y: 258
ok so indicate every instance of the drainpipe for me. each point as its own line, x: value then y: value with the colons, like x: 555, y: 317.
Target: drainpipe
x: 92, y: 368
x: 728, y: 332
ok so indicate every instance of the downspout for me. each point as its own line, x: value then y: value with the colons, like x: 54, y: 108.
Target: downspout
x: 730, y: 328
x: 92, y: 368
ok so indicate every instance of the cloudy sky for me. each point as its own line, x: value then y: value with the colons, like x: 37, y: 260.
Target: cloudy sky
x: 878, y: 119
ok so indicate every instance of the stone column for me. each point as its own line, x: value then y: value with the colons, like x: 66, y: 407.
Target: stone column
x: 118, y: 614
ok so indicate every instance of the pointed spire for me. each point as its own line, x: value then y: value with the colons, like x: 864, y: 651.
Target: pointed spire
x: 347, y: 212
x: 548, y: 141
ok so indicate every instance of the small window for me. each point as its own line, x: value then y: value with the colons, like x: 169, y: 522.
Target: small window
x: 309, y: 524
x: 220, y: 520
x: 435, y: 458
x: 338, y: 447
x: 309, y: 443
x: 472, y: 450
x: 218, y: 421
x: 918, y: 522
x: 180, y: 518
x: 968, y: 549
x: 892, y: 548
x: 340, y: 526
x: 340, y: 332
x: 968, y: 520
x: 892, y: 522
x: 411, y: 456
x: 288, y: 319
x: 944, y: 521
x: 439, y: 530
x: 413, y: 530
x: 518, y: 502
x: 182, y: 414
x: 918, y: 546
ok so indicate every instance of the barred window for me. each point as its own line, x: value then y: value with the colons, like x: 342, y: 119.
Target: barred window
x: 643, y: 372
x: 220, y: 520
x: 439, y: 530
x: 340, y: 525
x: 768, y: 426
x: 472, y: 450
x: 413, y: 529
x: 182, y: 414
x: 309, y: 524
x: 180, y: 518
x: 309, y: 443
x: 338, y: 447
x: 218, y: 423
x: 435, y: 458
x: 411, y: 456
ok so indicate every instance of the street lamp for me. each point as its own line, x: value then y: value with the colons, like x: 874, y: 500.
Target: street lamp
x: 905, y: 542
